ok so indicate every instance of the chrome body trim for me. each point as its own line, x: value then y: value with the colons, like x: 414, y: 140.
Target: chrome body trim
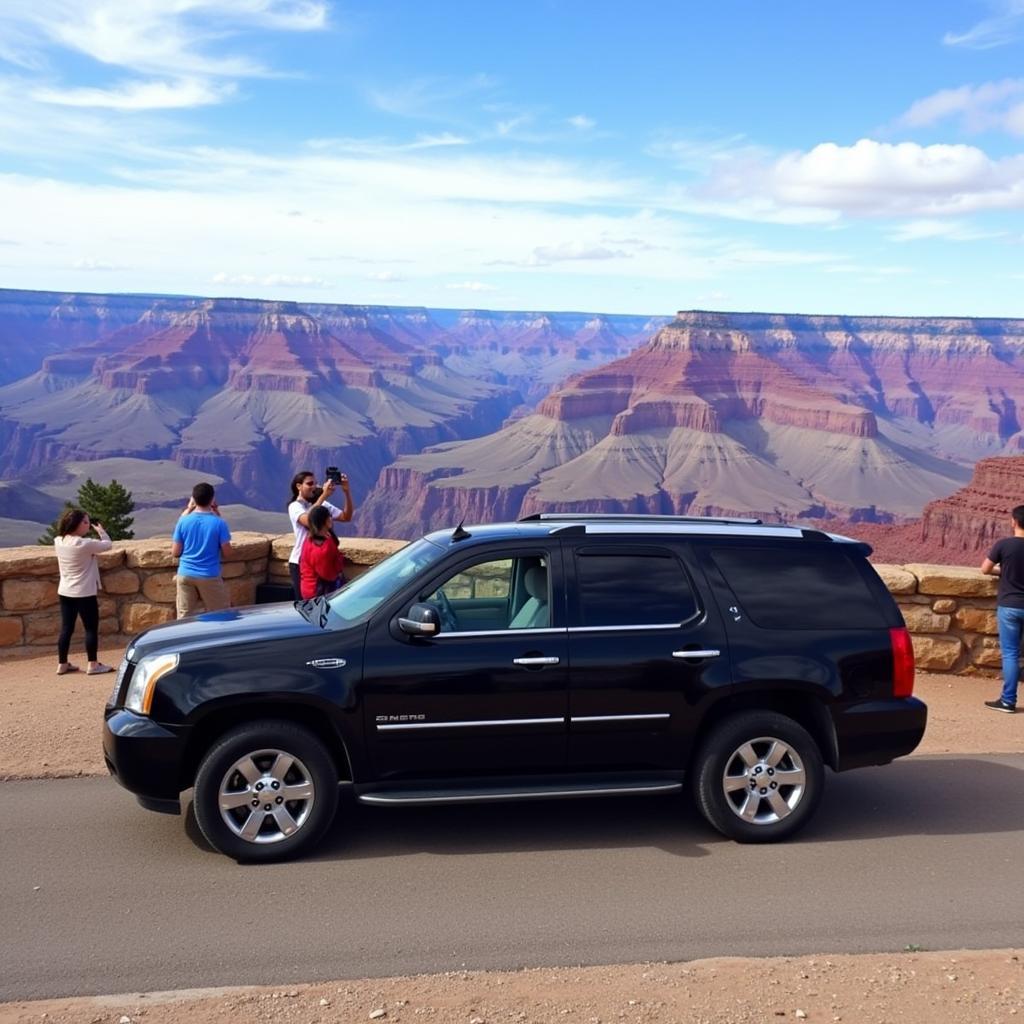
x: 500, y: 632
x: 696, y: 654
x: 619, y: 718
x: 481, y: 723
x: 532, y: 794
x: 535, y: 661
x: 619, y: 629
x: 684, y: 529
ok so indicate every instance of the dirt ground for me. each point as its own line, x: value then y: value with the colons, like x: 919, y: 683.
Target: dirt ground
x: 49, y: 728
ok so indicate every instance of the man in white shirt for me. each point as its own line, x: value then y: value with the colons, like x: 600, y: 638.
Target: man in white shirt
x: 303, y: 488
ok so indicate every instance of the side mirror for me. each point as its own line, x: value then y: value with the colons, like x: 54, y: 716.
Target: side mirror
x: 422, y: 620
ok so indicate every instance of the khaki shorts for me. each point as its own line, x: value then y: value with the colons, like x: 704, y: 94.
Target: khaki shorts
x: 192, y: 591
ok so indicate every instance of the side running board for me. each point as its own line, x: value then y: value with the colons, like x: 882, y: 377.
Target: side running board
x: 492, y: 794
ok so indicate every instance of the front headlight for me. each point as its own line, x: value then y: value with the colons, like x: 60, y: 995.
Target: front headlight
x: 140, y: 690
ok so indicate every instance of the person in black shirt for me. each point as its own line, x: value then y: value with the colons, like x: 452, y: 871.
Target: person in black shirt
x: 1006, y: 560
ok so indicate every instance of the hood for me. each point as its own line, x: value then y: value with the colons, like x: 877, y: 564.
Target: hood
x: 233, y: 626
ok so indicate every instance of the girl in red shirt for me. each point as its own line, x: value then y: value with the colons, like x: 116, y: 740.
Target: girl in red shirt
x: 321, y: 561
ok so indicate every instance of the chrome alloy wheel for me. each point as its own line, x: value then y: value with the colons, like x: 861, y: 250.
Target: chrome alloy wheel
x: 764, y: 781
x: 266, y: 796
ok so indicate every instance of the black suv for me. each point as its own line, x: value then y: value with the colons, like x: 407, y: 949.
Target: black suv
x: 563, y: 655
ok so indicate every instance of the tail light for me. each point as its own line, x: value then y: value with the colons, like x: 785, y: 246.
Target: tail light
x: 902, y: 662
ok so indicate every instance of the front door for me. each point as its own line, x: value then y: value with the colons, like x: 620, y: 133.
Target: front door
x: 646, y: 650
x: 488, y: 694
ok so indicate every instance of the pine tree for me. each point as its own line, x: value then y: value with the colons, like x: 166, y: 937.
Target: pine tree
x: 108, y: 504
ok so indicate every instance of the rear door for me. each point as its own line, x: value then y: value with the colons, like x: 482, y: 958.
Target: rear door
x: 646, y: 652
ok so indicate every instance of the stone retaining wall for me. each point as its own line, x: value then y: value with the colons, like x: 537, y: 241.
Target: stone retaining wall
x: 950, y: 611
x: 951, y: 614
x: 138, y: 584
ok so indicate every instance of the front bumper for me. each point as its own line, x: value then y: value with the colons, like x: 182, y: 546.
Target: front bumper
x: 145, y: 757
x: 878, y: 731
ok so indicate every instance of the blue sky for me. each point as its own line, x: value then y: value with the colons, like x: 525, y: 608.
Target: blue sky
x: 858, y: 158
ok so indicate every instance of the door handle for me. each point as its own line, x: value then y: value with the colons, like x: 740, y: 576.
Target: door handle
x: 535, y: 661
x: 696, y: 654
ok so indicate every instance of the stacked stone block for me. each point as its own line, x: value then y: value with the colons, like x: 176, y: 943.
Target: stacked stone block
x: 138, y: 584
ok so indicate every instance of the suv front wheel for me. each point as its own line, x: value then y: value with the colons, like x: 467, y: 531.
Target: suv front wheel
x: 758, y: 777
x: 265, y: 791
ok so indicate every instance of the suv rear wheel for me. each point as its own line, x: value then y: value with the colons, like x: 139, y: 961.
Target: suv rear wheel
x: 758, y: 777
x: 265, y: 791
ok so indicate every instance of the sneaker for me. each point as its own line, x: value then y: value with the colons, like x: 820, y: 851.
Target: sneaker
x: 63, y: 670
x: 998, y: 705
x: 98, y: 670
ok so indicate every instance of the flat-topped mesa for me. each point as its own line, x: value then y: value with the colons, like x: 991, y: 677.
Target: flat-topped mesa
x: 945, y: 327
x: 668, y: 384
x: 692, y: 413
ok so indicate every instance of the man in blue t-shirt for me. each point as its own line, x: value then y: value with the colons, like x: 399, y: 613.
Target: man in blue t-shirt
x: 200, y: 539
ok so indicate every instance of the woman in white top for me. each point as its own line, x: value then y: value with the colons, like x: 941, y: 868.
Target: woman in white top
x: 303, y: 486
x: 79, y: 581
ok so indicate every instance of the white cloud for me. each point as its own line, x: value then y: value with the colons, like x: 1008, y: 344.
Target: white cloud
x: 178, y: 46
x: 140, y: 95
x: 927, y: 229
x: 1005, y: 26
x: 270, y: 280
x: 386, y: 275
x: 582, y: 122
x: 509, y: 125
x: 429, y: 98
x: 876, y: 178
x: 545, y: 254
x: 700, y: 155
x: 471, y: 286
x: 90, y: 263
x: 980, y: 107
x: 867, y: 269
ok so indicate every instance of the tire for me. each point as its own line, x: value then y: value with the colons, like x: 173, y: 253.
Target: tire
x: 243, y: 786
x: 741, y: 753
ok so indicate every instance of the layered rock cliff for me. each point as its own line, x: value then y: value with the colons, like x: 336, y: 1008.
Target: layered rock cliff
x: 858, y: 418
x: 251, y: 391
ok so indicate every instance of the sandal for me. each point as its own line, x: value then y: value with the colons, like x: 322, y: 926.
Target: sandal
x: 98, y: 670
x: 63, y: 670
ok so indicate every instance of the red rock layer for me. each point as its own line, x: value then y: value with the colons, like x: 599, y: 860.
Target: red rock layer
x: 958, y: 530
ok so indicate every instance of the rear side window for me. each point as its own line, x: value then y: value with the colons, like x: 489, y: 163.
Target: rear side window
x: 635, y: 589
x: 801, y: 587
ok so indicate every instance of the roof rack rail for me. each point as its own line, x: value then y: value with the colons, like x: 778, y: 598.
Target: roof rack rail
x: 623, y: 517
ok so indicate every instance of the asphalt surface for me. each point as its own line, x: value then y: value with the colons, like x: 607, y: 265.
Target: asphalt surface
x: 99, y: 896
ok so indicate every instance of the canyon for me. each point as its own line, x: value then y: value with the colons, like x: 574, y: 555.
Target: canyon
x: 249, y: 391
x: 863, y: 424
x: 844, y: 419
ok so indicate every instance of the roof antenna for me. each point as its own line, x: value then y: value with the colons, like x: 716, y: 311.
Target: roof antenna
x: 460, y: 533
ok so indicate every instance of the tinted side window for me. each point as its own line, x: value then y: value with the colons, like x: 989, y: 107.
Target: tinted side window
x: 632, y: 590
x: 795, y: 587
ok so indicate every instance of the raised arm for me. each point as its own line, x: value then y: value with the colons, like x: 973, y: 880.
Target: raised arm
x: 325, y: 492
x: 346, y: 513
x: 96, y: 546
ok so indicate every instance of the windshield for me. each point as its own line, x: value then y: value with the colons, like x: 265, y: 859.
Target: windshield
x: 361, y: 597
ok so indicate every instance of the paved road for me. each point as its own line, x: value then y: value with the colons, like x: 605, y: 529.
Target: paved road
x: 926, y: 851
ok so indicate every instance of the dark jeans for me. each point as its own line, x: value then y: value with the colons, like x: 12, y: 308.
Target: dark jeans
x: 293, y: 568
x: 1011, y: 626
x: 70, y: 609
